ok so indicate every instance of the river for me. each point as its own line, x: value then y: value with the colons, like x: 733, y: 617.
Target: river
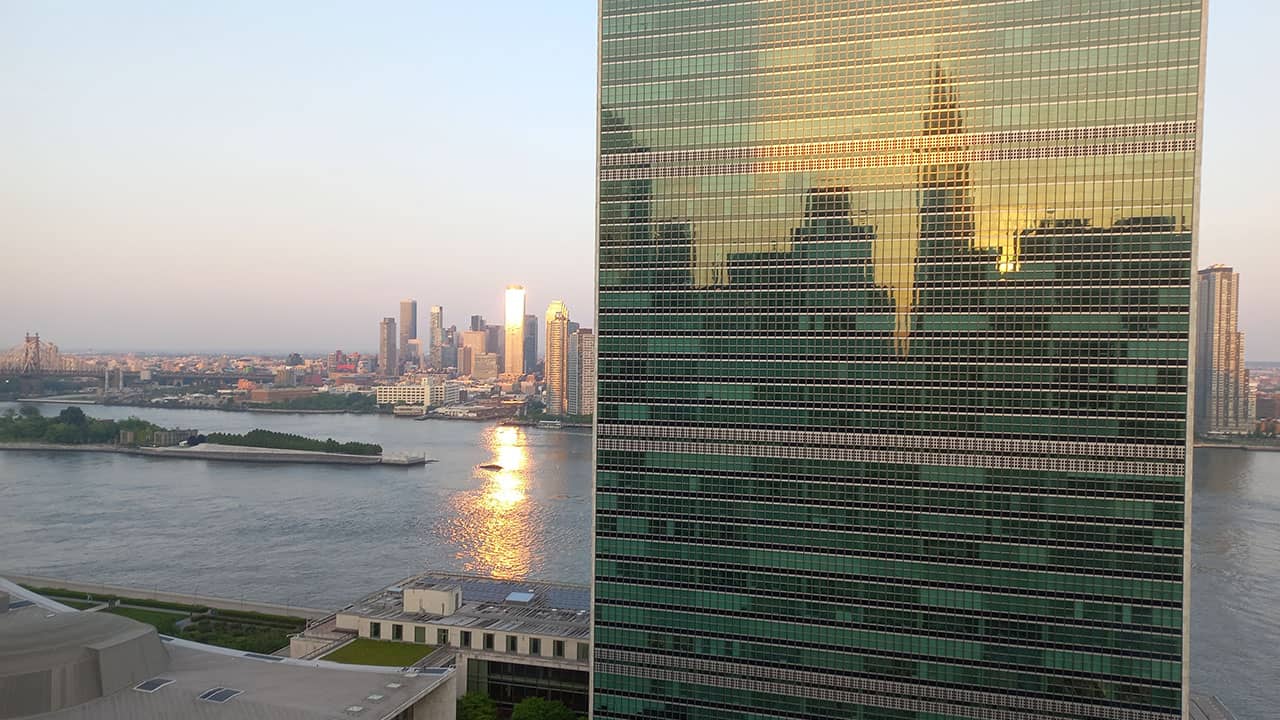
x: 323, y: 536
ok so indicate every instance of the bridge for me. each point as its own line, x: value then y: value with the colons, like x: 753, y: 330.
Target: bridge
x: 37, y: 359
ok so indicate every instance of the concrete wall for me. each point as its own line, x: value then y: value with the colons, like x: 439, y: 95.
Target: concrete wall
x: 166, y: 596
x: 440, y: 704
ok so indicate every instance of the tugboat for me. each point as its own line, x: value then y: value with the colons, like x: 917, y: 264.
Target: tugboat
x: 490, y: 466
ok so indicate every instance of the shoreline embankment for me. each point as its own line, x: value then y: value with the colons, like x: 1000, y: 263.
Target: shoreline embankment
x: 217, y: 453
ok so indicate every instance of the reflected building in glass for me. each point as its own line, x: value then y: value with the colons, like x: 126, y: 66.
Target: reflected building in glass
x: 893, y: 348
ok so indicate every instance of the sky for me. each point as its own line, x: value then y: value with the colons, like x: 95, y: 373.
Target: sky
x: 213, y: 177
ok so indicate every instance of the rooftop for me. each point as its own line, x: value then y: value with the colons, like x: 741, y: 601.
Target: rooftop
x: 107, y: 657
x: 512, y: 606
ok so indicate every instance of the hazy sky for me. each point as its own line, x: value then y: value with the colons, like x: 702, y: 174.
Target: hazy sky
x: 276, y: 176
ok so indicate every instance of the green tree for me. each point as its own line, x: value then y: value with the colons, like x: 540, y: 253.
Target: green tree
x: 536, y: 708
x: 475, y: 706
x: 73, y: 416
x: 62, y: 434
x: 29, y: 411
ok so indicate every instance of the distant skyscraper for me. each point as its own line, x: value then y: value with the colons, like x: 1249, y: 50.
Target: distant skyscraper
x: 477, y: 340
x: 580, y: 373
x: 388, y: 361
x: 1224, y: 396
x: 477, y: 322
x: 530, y: 343
x: 513, y: 347
x: 893, y: 350
x: 414, y: 354
x: 557, y: 356
x: 437, y: 337
x: 408, y: 328
x: 495, y: 343
x: 484, y: 366
x: 466, y: 360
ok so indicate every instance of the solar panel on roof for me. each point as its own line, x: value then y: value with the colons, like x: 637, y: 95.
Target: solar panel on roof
x: 219, y: 694
x: 152, y: 685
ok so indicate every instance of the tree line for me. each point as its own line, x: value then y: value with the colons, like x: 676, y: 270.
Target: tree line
x: 70, y: 427
x: 287, y: 441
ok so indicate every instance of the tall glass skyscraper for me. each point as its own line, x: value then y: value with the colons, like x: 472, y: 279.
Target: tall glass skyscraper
x: 894, y: 326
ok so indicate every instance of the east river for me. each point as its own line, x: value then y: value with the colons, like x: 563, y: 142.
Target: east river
x: 323, y: 536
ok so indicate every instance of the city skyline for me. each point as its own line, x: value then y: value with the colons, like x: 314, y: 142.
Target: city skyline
x: 178, y: 168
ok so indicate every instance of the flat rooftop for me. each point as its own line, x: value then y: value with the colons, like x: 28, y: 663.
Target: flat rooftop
x: 36, y: 635
x: 491, y: 605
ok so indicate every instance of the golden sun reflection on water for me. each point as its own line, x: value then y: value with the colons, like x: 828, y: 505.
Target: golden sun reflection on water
x: 494, y: 526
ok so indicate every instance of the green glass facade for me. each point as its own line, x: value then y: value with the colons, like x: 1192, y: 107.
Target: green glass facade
x: 894, y: 311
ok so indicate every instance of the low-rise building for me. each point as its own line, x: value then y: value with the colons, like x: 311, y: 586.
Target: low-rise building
x: 432, y: 391
x: 62, y: 664
x: 168, y: 438
x: 278, y: 394
x: 510, y: 639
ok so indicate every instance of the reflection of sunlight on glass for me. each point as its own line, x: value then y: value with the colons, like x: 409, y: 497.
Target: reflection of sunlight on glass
x: 494, y: 525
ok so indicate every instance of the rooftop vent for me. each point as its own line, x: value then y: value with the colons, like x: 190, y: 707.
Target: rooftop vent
x: 394, y: 686
x: 375, y: 697
x: 152, y: 685
x: 219, y: 694
x: 353, y: 709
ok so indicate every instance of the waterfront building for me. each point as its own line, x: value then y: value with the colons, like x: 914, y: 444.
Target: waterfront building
x: 477, y: 322
x: 530, y: 343
x: 513, y: 347
x: 429, y: 391
x: 437, y: 338
x: 278, y: 394
x: 557, y: 357
x: 1224, y: 395
x: 408, y: 328
x: 388, y: 360
x: 509, y: 639
x: 63, y: 664
x: 580, y: 373
x: 893, y: 351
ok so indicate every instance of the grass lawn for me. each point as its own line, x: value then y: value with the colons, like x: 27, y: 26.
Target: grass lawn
x: 162, y: 620
x: 379, y: 652
x: 77, y: 604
